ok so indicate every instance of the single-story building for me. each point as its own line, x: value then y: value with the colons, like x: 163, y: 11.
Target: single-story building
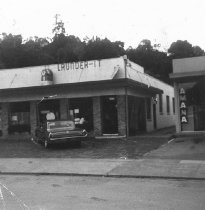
x: 114, y: 96
x: 189, y: 84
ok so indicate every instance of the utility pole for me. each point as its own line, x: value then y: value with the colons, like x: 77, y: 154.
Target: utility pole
x: 126, y: 97
x: 56, y: 18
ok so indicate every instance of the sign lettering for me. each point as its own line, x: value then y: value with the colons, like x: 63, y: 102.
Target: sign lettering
x: 183, y: 112
x: 183, y: 107
x: 182, y: 97
x: 181, y: 91
x: 184, y: 119
x: 78, y: 65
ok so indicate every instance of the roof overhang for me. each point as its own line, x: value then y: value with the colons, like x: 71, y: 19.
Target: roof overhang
x: 62, y: 90
x: 135, y: 84
x: 187, y: 76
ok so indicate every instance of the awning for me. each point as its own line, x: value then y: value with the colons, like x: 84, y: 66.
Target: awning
x: 144, y: 79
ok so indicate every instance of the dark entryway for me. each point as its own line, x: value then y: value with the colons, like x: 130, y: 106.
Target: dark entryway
x: 109, y: 115
x: 19, y: 117
x: 154, y: 116
x: 196, y: 102
x: 136, y: 111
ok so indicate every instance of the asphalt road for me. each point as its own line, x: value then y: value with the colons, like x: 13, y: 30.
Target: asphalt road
x: 94, y: 193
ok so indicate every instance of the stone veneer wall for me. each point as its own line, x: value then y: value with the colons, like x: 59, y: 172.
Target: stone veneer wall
x: 97, y: 121
x: 121, y: 115
x: 5, y: 119
x: 33, y: 116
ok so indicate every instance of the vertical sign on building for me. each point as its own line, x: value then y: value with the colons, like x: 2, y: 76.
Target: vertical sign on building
x: 183, y: 105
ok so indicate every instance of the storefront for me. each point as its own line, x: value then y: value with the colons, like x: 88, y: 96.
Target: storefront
x: 189, y: 83
x: 114, y: 96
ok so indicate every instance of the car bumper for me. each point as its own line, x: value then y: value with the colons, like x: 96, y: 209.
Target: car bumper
x: 67, y: 139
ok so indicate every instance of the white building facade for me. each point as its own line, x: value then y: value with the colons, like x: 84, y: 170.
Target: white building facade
x: 115, y: 97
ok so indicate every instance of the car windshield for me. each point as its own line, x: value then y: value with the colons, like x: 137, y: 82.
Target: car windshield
x: 61, y: 124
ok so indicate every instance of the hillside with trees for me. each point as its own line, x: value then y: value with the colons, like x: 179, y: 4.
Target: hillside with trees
x: 16, y: 52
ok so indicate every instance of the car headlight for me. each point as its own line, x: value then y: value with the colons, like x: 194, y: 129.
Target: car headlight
x: 84, y: 132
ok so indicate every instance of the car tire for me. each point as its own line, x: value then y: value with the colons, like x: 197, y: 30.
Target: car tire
x: 77, y: 144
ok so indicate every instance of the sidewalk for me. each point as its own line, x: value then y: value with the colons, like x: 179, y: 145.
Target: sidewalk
x: 139, y: 168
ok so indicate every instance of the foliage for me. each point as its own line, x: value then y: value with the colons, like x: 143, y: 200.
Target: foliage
x: 16, y: 52
x: 156, y: 63
x: 59, y: 27
x: 97, y: 48
x: 183, y: 49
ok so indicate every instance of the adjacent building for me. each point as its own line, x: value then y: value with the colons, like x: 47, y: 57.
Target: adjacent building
x: 115, y: 97
x: 189, y: 84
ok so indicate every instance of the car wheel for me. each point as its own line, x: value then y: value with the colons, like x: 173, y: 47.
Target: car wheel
x: 46, y: 144
x: 77, y: 144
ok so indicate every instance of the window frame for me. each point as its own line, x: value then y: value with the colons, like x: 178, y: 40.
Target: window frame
x: 173, y: 105
x: 161, y: 103
x: 168, y: 104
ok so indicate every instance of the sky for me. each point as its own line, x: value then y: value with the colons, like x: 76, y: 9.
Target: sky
x: 130, y: 21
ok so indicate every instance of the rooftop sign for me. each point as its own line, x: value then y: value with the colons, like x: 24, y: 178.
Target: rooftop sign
x: 75, y: 72
x: 78, y: 65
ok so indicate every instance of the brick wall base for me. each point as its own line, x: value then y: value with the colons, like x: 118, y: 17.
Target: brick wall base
x: 121, y: 115
x: 97, y: 116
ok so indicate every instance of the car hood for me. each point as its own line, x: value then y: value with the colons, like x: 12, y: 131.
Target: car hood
x: 54, y: 130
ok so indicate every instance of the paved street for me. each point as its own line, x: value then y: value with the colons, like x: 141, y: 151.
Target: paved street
x: 86, y: 193
x: 181, y: 148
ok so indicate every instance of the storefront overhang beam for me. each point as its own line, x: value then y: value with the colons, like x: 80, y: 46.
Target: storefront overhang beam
x: 187, y: 76
x: 88, y: 89
x: 150, y: 89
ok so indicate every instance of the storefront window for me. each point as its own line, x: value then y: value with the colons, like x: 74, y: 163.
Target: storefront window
x: 19, y: 117
x: 168, y: 104
x: 160, y: 104
x: 81, y: 111
x: 46, y: 107
x: 173, y: 104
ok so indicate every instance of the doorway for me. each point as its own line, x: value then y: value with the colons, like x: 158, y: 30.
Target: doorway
x: 109, y: 115
x: 137, y: 115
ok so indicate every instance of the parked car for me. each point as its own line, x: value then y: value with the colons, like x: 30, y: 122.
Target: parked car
x: 59, y: 131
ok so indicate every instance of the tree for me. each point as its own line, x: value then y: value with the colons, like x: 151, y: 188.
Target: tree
x: 145, y: 45
x: 181, y: 49
x: 198, y: 51
x: 155, y: 62
x: 11, y: 50
x: 58, y: 27
x: 34, y: 52
x: 97, y: 48
x: 65, y: 48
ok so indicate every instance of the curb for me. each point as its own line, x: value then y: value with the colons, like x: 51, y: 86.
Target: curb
x: 102, y: 175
